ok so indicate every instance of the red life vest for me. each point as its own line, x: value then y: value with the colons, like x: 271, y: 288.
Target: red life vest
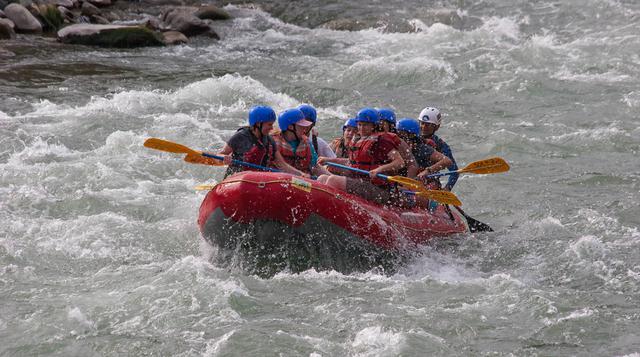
x: 363, y: 155
x: 393, y: 137
x: 339, y: 147
x: 246, y: 147
x: 300, y: 159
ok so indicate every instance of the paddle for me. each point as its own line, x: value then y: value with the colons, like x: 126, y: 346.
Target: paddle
x: 169, y: 146
x: 474, y: 224
x: 492, y: 165
x: 445, y: 197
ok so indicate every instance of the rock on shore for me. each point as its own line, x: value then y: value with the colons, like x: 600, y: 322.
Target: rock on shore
x: 109, y: 36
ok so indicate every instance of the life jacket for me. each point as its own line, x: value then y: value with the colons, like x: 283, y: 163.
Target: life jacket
x: 260, y: 152
x: 362, y: 155
x: 338, y: 146
x: 314, y: 141
x: 393, y: 137
x: 300, y: 159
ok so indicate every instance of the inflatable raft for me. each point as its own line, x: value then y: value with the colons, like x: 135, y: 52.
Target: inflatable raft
x: 266, y: 222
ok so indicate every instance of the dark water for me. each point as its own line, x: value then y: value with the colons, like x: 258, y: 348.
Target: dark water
x: 99, y: 249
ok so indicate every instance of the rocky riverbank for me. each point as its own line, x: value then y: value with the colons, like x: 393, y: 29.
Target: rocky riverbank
x: 107, y: 23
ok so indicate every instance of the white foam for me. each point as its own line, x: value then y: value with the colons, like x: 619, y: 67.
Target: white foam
x: 501, y: 28
x: 589, y: 248
x: 632, y: 99
x: 219, y: 95
x: 612, y: 76
x: 41, y: 151
x: 375, y: 341
x: 214, y: 346
x: 77, y: 315
x: 601, y: 134
x: 414, y: 69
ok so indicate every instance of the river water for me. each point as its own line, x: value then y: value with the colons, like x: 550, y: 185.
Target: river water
x: 99, y: 249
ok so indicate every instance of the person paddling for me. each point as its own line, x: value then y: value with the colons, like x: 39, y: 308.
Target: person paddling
x: 387, y: 127
x: 387, y: 120
x: 319, y: 146
x: 430, y: 120
x: 293, y: 143
x: 340, y: 146
x: 428, y: 159
x: 372, y: 152
x: 254, y: 145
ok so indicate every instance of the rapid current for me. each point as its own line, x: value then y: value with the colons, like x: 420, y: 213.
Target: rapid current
x: 100, y: 253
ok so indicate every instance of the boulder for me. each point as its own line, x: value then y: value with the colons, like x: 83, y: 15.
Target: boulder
x: 64, y: 3
x: 109, y: 36
x: 211, y: 12
x: 97, y: 19
x: 446, y: 16
x: 174, y: 38
x: 22, y: 18
x: 89, y: 10
x: 347, y: 25
x: 7, y: 31
x: 183, y: 20
x: 100, y: 3
x: 111, y: 16
x: 66, y: 13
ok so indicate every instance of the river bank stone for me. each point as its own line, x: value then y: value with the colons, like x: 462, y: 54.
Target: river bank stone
x: 89, y: 10
x: 109, y: 36
x: 183, y: 20
x: 22, y: 18
x: 6, y: 30
x: 174, y: 38
x: 64, y: 3
x: 211, y: 12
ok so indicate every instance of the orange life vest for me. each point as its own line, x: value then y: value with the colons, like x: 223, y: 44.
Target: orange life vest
x: 340, y: 147
x: 300, y: 159
x: 362, y: 155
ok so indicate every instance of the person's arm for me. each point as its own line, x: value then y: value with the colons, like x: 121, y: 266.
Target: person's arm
x: 226, y: 152
x: 284, y: 166
x: 319, y: 170
x: 440, y: 162
x: 324, y: 149
x: 453, y: 178
x: 396, y: 164
x: 338, y: 160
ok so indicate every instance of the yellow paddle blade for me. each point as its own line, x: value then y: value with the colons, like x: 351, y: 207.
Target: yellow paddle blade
x: 205, y: 187
x: 168, y: 146
x: 406, y: 182
x: 487, y: 166
x: 199, y: 159
x: 444, y: 197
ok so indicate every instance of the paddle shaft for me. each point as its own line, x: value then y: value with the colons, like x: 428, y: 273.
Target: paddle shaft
x: 364, y: 172
x: 241, y: 163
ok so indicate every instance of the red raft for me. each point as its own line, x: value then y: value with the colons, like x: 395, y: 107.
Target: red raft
x: 267, y: 222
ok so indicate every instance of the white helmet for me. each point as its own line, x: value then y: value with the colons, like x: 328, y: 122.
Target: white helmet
x: 430, y: 115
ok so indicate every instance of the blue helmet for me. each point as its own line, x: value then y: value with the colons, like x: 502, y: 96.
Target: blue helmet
x: 409, y: 125
x: 387, y: 114
x: 309, y: 112
x: 350, y: 123
x: 261, y: 114
x: 289, y: 117
x: 368, y: 115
